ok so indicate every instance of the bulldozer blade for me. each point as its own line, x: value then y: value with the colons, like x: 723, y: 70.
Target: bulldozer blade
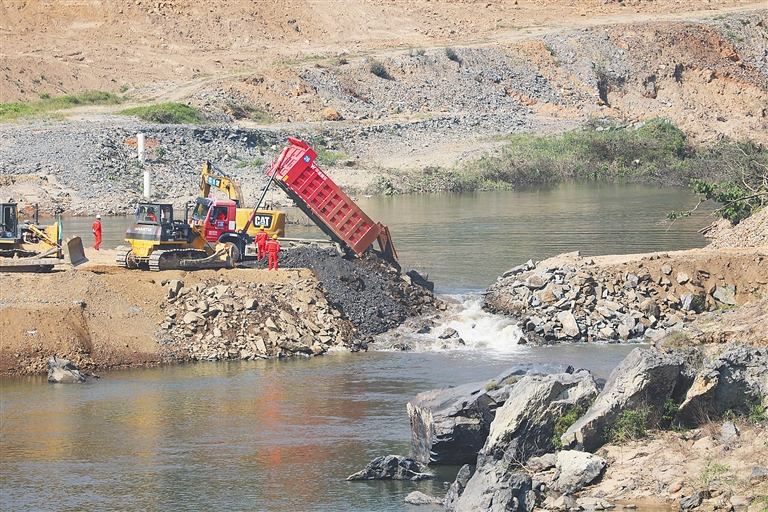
x: 74, y: 250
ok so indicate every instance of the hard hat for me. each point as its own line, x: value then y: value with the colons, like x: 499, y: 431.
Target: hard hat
x: 274, y: 236
x: 261, y: 227
x: 98, y: 216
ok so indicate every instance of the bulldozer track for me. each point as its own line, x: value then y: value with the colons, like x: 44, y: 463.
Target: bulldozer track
x: 122, y: 258
x: 170, y: 259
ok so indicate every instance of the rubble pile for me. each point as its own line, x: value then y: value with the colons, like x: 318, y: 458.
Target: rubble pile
x: 579, y: 301
x: 369, y: 291
x: 212, y: 321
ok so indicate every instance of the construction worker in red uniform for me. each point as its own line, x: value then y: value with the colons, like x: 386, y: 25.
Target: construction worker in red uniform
x: 273, y: 247
x: 261, y: 242
x: 96, y: 228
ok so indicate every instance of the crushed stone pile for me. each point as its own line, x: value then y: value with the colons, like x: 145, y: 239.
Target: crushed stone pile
x: 370, y: 292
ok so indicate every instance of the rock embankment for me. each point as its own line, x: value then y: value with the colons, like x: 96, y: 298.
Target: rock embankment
x: 570, y: 298
x: 100, y: 316
x: 528, y: 459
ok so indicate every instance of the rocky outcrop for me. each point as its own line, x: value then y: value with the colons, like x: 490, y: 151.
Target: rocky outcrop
x: 524, y: 426
x: 449, y: 426
x: 731, y: 381
x: 456, y: 489
x: 63, y: 371
x: 393, y: 467
x: 643, y: 378
x: 580, y: 301
x: 496, y: 489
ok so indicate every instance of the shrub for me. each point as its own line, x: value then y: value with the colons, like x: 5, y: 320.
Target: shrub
x: 492, y: 386
x: 166, y: 113
x: 631, y: 425
x: 565, y: 422
x: 416, y: 52
x: 452, y: 55
x: 378, y: 69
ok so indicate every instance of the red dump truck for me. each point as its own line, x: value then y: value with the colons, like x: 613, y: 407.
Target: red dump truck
x: 296, y: 172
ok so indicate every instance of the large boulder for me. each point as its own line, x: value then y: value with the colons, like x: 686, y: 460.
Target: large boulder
x: 643, y: 378
x: 731, y: 381
x: 524, y: 426
x: 496, y: 489
x: 392, y: 467
x: 450, y: 425
x: 62, y: 370
x: 575, y: 470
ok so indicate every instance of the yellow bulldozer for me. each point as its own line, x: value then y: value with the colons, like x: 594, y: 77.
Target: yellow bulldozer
x: 160, y: 242
x: 29, y: 247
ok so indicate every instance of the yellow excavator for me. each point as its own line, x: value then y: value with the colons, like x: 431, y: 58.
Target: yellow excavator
x: 160, y: 242
x: 29, y: 247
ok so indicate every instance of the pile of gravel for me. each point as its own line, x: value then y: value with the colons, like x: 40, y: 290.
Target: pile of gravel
x: 371, y: 293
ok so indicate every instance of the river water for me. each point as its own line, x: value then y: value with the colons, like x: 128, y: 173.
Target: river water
x: 284, y: 434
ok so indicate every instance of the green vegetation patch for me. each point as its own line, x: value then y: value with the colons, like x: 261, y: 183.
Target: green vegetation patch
x: 47, y: 103
x: 564, y: 423
x: 631, y: 425
x: 166, y: 113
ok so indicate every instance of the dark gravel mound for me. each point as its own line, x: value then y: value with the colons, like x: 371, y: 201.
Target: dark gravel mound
x: 370, y: 292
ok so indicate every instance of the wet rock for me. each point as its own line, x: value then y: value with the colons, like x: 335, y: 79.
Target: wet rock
x: 62, y: 371
x: 450, y: 425
x: 575, y: 470
x: 393, y: 467
x: 419, y: 498
x: 644, y: 377
x: 456, y: 488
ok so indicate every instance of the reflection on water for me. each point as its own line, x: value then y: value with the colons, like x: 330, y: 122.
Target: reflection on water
x: 463, y: 242
x: 256, y: 435
x: 284, y: 434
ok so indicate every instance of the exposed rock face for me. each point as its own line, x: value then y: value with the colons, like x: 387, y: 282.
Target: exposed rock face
x: 524, y: 426
x: 576, y: 469
x: 731, y: 381
x: 449, y: 426
x: 392, y: 467
x: 457, y: 487
x: 63, y: 371
x: 496, y: 489
x: 644, y: 377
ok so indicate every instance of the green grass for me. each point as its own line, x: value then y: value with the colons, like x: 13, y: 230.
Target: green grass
x: 631, y: 425
x: 166, y: 113
x: 47, y: 103
x: 326, y: 157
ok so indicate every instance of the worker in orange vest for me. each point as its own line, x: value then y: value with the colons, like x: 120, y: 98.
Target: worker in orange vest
x: 96, y: 228
x: 261, y: 242
x: 273, y: 247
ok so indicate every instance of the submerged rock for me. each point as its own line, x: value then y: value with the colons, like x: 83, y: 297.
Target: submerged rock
x: 62, y: 370
x: 393, y: 467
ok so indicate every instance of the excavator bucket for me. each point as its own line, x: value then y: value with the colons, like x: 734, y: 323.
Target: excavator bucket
x: 74, y: 251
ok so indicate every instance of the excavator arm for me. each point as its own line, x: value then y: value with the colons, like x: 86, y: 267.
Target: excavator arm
x: 221, y: 181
